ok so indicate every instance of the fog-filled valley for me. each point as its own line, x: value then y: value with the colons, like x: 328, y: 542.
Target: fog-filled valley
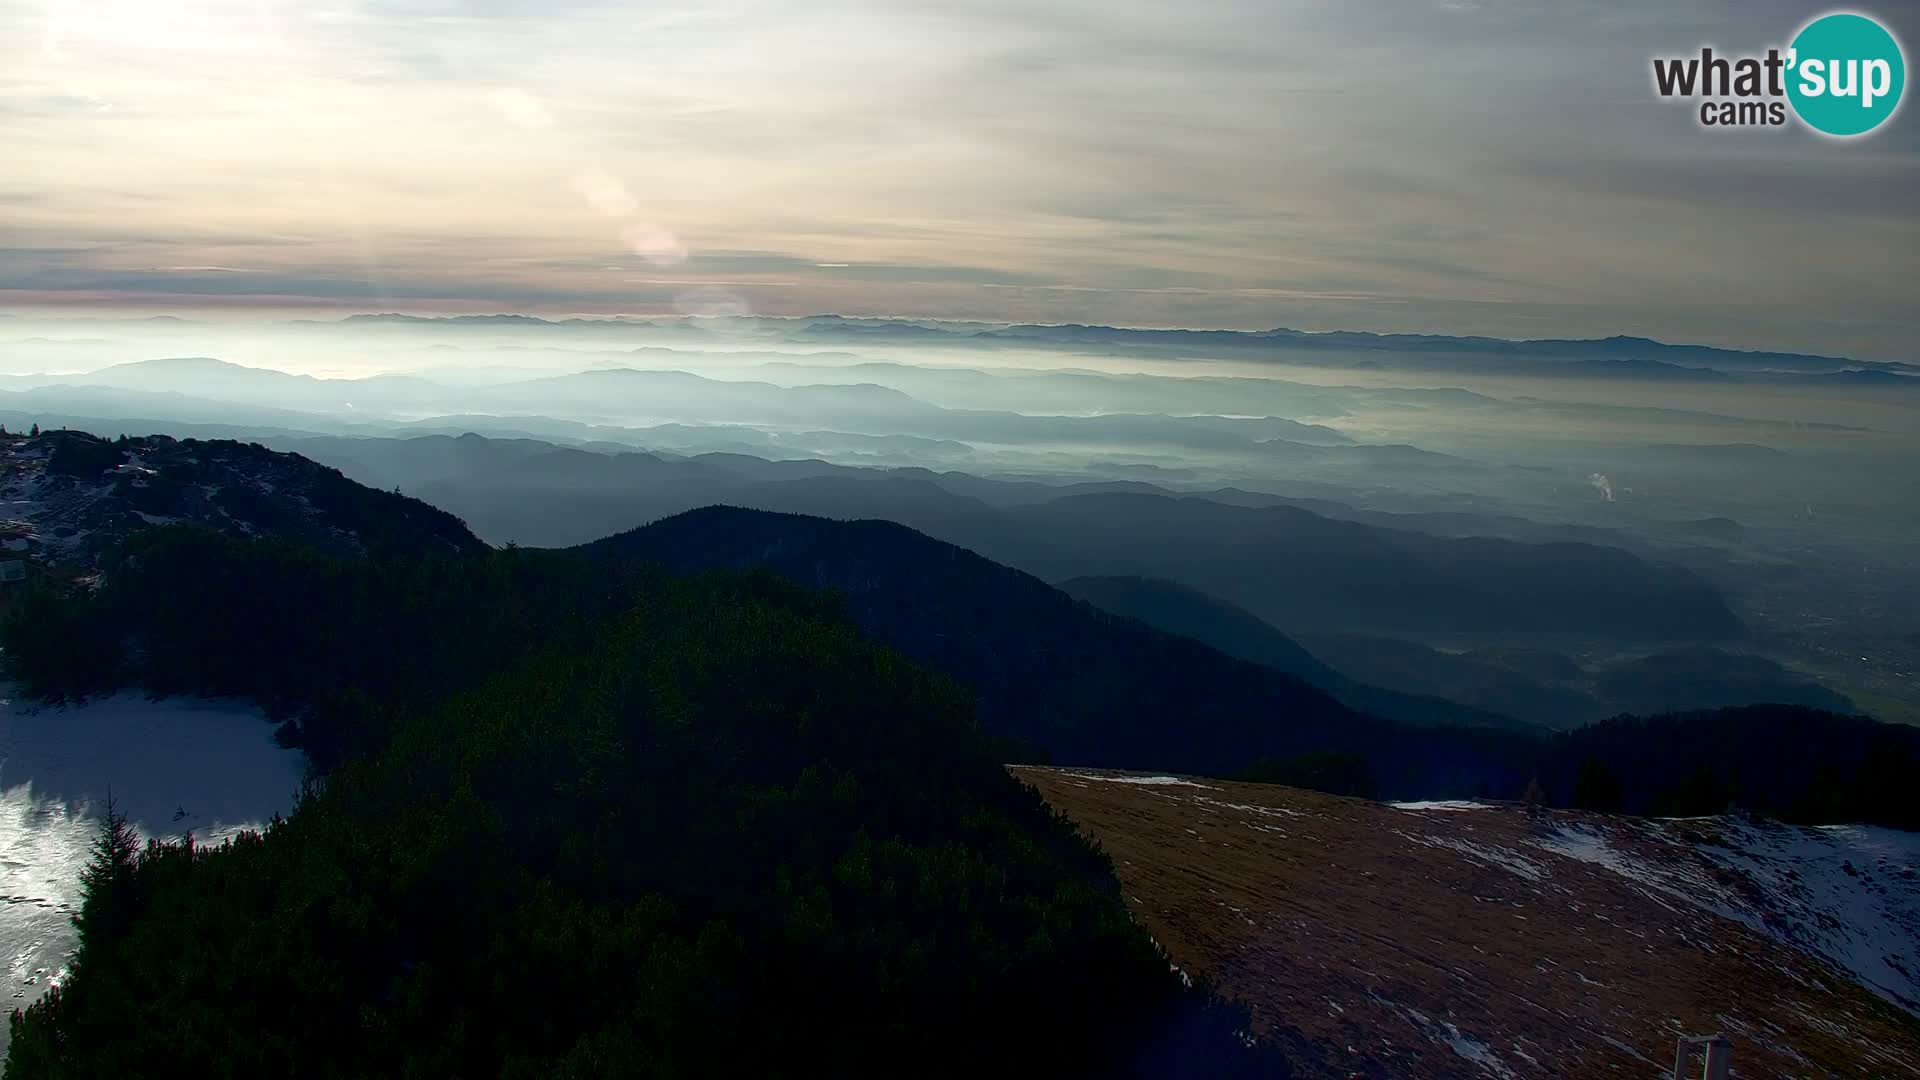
x: 1551, y: 531
x: 805, y: 694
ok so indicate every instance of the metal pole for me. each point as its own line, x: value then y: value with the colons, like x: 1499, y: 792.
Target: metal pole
x: 1717, y: 1049
x: 1719, y: 1058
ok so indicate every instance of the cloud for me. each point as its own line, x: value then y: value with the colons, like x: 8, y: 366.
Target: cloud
x: 1488, y: 168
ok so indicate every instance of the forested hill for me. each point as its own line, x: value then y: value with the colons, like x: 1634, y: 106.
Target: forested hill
x: 584, y: 820
x: 1064, y: 680
x: 1084, y: 687
x: 1787, y: 761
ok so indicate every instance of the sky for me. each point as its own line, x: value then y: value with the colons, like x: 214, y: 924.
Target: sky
x: 1459, y: 166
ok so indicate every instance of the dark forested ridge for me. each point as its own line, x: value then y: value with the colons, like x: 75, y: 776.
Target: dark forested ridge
x: 1071, y: 683
x: 1554, y: 690
x: 331, y: 644
x: 1786, y: 761
x: 1187, y: 611
x: 693, y: 827
x: 1083, y: 687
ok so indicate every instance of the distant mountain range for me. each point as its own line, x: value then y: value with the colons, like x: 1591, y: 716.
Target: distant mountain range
x: 1399, y: 679
x: 1288, y: 565
x: 1236, y: 632
x: 1639, y: 354
x: 622, y: 398
x: 1548, y: 687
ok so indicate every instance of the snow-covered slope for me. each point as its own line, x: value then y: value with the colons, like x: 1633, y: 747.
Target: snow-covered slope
x: 66, y: 496
x: 1848, y: 894
x: 172, y: 766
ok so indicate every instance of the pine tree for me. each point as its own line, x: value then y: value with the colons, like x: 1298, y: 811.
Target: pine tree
x: 1535, y: 797
x: 107, y: 883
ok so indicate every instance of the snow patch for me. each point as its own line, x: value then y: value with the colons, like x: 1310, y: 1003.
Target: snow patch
x: 1248, y: 808
x: 1496, y: 858
x: 1477, y: 1052
x: 1473, y: 1050
x: 1151, y: 781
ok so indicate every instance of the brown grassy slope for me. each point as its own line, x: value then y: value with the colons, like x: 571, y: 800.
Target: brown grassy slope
x: 1372, y: 941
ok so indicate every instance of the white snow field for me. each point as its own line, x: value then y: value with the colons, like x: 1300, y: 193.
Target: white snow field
x: 173, y: 766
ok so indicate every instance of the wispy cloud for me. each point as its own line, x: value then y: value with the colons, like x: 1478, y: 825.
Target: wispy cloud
x: 1410, y: 165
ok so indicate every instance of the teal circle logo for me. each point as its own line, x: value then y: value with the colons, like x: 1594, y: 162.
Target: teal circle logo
x: 1845, y: 74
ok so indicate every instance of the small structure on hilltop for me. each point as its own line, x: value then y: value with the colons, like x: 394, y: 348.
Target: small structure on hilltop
x: 1716, y: 1049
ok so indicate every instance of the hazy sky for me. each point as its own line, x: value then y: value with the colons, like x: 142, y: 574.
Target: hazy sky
x: 1452, y: 166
